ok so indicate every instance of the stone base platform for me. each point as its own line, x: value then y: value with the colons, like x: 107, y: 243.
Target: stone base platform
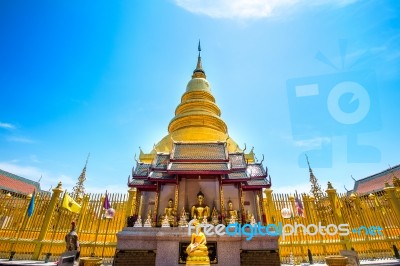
x: 162, y: 246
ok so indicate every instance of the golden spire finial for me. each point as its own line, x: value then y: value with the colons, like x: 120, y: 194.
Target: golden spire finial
x: 199, y: 72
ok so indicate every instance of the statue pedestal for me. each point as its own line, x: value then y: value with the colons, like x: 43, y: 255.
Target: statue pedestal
x: 162, y: 245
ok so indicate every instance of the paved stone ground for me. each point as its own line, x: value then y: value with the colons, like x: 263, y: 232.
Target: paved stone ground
x: 388, y: 262
x: 33, y: 263
x: 4, y: 262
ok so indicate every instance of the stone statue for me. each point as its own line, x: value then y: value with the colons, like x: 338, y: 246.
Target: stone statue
x: 231, y: 214
x: 169, y: 212
x: 197, y: 250
x: 200, y: 210
x: 138, y: 222
x: 147, y: 223
x: 71, y: 239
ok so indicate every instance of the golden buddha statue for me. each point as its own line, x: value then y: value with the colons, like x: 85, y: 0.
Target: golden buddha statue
x: 197, y: 250
x: 214, y: 217
x: 231, y: 214
x: 169, y: 212
x: 200, y: 210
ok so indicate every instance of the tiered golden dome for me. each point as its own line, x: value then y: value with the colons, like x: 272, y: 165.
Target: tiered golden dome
x: 197, y: 117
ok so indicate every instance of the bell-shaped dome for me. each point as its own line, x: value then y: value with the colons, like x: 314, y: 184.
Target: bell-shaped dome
x: 197, y: 117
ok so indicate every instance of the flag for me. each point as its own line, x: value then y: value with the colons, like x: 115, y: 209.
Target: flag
x: 299, y: 207
x: 31, y: 206
x: 106, y: 203
x: 70, y: 204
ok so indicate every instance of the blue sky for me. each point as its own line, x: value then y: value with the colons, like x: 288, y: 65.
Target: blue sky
x: 105, y: 77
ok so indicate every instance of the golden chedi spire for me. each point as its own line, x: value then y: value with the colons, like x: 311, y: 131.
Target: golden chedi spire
x: 197, y: 117
x: 199, y: 72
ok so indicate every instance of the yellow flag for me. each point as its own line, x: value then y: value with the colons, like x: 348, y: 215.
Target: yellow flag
x: 70, y: 204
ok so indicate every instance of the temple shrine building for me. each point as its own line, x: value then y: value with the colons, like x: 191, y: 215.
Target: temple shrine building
x: 199, y: 156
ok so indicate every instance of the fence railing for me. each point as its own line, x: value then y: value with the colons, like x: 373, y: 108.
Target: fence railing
x: 44, y: 232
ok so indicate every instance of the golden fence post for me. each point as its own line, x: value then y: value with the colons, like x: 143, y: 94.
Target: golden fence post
x: 307, y: 209
x: 333, y: 198
x: 394, y: 201
x: 82, y: 214
x: 47, y: 219
x: 131, y: 200
x: 269, y: 206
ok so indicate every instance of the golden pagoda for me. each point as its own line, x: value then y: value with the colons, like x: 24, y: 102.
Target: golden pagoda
x: 198, y: 157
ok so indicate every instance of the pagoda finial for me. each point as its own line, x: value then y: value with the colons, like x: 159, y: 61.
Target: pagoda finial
x: 309, y: 167
x: 199, y: 72
x: 79, y: 188
x: 199, y: 48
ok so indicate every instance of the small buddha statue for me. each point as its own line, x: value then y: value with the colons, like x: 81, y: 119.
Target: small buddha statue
x: 252, y: 220
x: 248, y: 216
x: 200, y: 210
x: 169, y: 212
x: 165, y: 222
x: 197, y: 250
x: 138, y: 222
x: 71, y: 239
x: 231, y: 214
x: 147, y: 223
x: 214, y: 217
x: 182, y: 220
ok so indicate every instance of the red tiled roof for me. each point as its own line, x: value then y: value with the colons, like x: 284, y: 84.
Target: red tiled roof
x: 16, y: 183
x: 377, y: 181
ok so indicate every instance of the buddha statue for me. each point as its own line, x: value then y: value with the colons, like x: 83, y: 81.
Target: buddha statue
x: 200, y: 210
x: 231, y: 214
x: 197, y: 250
x: 253, y: 220
x: 214, y: 217
x: 182, y: 220
x: 248, y: 216
x: 169, y: 212
x: 138, y: 222
x: 147, y: 223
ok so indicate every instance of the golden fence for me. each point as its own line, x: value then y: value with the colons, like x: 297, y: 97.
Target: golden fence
x: 359, y: 212
x: 44, y: 232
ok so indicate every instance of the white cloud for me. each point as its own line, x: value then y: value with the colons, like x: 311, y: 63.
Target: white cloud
x: 312, y: 143
x: 7, y: 125
x: 246, y: 9
x: 28, y: 172
x: 34, y: 174
x: 20, y: 139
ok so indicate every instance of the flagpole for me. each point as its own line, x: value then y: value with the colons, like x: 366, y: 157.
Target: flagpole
x: 48, y: 255
x: 12, y: 252
x: 105, y: 237
x: 97, y: 231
